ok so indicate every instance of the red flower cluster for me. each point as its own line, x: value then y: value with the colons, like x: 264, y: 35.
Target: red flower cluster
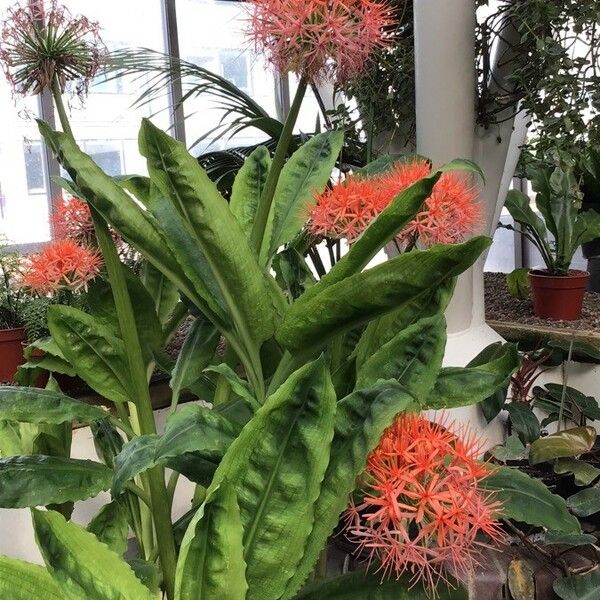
x: 318, y: 39
x: 448, y: 215
x: 423, y: 508
x: 62, y: 264
x: 72, y: 219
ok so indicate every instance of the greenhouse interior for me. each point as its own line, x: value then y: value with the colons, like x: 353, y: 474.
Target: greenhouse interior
x: 300, y: 300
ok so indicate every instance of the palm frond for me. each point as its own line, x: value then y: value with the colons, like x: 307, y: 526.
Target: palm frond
x: 157, y: 70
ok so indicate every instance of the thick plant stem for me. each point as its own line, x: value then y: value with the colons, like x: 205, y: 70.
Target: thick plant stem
x: 161, y: 511
x: 264, y: 206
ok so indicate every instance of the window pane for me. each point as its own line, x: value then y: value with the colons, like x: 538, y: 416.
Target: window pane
x: 106, y: 125
x: 23, y: 181
x: 211, y: 34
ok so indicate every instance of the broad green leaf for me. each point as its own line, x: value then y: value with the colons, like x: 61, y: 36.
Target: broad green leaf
x: 413, y: 357
x: 383, y: 329
x: 360, y: 420
x: 239, y: 386
x: 352, y: 301
x: 578, y: 587
x: 524, y: 423
x: 276, y: 465
x: 10, y: 440
x: 23, y: 581
x: 530, y: 501
x: 363, y: 586
x: 564, y: 444
x: 192, y: 429
x: 110, y: 527
x: 292, y: 273
x: 517, y: 283
x: 568, y: 539
x: 248, y: 187
x: 128, y: 218
x: 211, y: 560
x: 83, y: 565
x: 33, y: 405
x: 586, y: 502
x: 465, y: 386
x: 307, y: 171
x: 512, y: 449
x: 38, y: 480
x: 197, y: 351
x: 97, y: 355
x: 148, y: 573
x: 580, y: 349
x: 242, y: 282
x: 583, y: 472
x: 162, y: 291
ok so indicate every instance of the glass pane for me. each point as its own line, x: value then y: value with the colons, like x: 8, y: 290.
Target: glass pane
x: 106, y: 125
x: 211, y: 35
x: 23, y: 181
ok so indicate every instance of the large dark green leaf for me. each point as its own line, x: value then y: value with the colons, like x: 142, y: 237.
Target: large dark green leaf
x: 211, y: 561
x: 380, y: 331
x: 306, y: 172
x: 248, y: 188
x: 578, y: 587
x: 83, y: 566
x: 33, y: 405
x: 242, y: 282
x: 23, y: 581
x: 412, y: 357
x: 465, y: 386
x: 37, y: 480
x: 192, y: 429
x: 365, y: 296
x: 10, y: 440
x: 361, y: 419
x: 97, y: 355
x: 195, y: 354
x: 523, y: 422
x: 586, y: 502
x: 277, y: 465
x: 564, y: 444
x: 110, y: 527
x: 584, y: 473
x: 362, y: 586
x: 162, y: 291
x: 530, y: 501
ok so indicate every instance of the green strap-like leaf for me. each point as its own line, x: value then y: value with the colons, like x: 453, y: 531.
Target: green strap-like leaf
x: 38, y: 480
x: 191, y: 429
x: 110, y: 527
x: 364, y: 296
x: 23, y: 581
x: 465, y: 386
x: 82, y: 564
x: 586, y: 502
x: 162, y: 291
x: 33, y: 405
x: 361, y: 419
x: 578, y: 587
x: 195, y: 354
x: 248, y: 188
x: 277, y: 465
x: 530, y: 501
x: 239, y: 386
x: 306, y: 172
x: 221, y: 239
x: 211, y: 561
x: 362, y: 586
x: 97, y: 355
x: 413, y: 357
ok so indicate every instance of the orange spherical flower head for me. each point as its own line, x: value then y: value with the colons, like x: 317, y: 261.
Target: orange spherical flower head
x: 72, y: 219
x: 61, y: 265
x: 449, y: 215
x: 318, y: 39
x: 345, y: 210
x: 423, y: 510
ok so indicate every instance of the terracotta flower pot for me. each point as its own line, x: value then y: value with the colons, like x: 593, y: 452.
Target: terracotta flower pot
x: 558, y: 297
x: 11, y: 352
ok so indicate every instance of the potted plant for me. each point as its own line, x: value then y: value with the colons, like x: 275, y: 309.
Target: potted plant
x: 556, y: 232
x: 12, y: 304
